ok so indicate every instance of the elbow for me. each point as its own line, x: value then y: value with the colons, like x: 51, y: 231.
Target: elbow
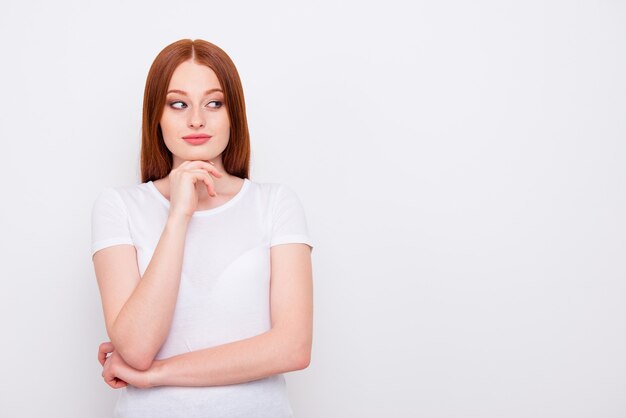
x: 139, y: 358
x: 300, y: 357
x: 139, y: 362
x: 303, y: 361
x: 136, y: 359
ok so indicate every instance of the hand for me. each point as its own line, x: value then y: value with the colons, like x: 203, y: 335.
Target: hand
x: 116, y: 373
x: 183, y: 181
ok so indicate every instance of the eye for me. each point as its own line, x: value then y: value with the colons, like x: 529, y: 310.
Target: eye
x: 216, y: 104
x: 178, y: 105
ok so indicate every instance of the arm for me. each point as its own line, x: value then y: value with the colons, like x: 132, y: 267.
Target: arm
x: 138, y: 311
x: 285, y: 347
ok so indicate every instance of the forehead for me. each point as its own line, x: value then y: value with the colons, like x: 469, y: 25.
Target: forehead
x: 191, y: 77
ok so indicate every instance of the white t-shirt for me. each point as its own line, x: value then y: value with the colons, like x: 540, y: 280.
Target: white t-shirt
x: 224, y: 288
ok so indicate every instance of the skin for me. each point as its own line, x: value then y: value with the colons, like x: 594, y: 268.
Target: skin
x: 189, y: 110
x: 138, y: 310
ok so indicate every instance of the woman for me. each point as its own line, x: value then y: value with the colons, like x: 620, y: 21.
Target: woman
x: 205, y: 276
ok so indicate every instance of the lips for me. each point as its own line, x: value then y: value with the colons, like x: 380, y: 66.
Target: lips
x: 196, y: 139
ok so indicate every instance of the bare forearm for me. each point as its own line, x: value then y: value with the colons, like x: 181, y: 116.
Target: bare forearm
x: 254, y: 358
x: 144, y: 321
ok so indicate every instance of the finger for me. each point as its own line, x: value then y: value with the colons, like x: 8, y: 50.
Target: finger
x: 183, y: 166
x: 110, y: 382
x: 210, y: 187
x: 204, y: 165
x: 107, y: 345
x: 102, y: 357
x: 116, y: 383
x: 199, y: 175
x: 208, y: 181
x: 103, y: 350
x: 110, y: 379
x: 119, y: 383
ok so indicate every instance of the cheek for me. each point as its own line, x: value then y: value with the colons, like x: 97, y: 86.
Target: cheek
x: 167, y: 126
x: 224, y: 123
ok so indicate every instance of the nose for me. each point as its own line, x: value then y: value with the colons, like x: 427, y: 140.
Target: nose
x: 196, y: 119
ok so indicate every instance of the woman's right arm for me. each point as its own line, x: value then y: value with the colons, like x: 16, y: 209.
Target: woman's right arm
x: 138, y: 310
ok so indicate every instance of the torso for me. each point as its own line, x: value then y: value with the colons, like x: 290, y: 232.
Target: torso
x: 224, y: 290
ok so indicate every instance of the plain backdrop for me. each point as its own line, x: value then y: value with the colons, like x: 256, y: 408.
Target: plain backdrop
x: 462, y: 166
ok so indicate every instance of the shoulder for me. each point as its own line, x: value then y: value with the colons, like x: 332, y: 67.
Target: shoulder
x: 271, y: 188
x: 123, y: 190
x: 122, y: 196
x: 287, y: 217
x: 273, y: 193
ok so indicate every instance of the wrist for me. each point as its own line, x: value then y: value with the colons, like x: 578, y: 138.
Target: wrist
x: 177, y: 220
x: 155, y: 374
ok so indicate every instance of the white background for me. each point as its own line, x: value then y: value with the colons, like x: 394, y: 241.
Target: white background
x: 462, y: 166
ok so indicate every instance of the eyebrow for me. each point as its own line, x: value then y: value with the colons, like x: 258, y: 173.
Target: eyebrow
x: 184, y: 93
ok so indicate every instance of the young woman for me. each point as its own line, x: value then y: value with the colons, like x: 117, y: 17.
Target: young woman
x: 205, y: 276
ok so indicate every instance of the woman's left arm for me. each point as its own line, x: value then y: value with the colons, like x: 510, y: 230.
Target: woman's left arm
x: 285, y: 347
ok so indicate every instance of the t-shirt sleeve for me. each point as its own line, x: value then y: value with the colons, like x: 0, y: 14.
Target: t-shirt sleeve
x: 109, y: 221
x: 288, y: 219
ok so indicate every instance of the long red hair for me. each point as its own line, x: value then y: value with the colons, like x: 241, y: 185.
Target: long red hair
x: 156, y: 159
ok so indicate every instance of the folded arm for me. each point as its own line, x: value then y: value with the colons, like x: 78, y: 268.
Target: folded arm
x: 138, y: 313
x: 285, y: 347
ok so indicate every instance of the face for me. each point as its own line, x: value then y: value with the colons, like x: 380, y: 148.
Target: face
x: 194, y: 112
